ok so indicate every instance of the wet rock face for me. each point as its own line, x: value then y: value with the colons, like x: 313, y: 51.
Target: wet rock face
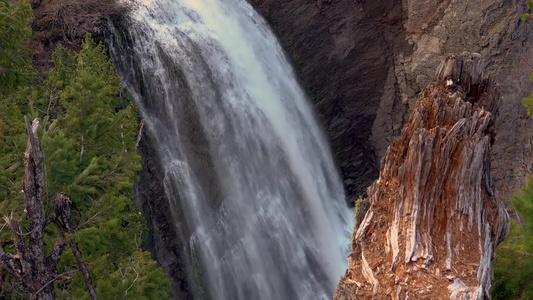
x: 169, y: 233
x: 343, y: 51
x: 365, y: 62
x: 433, y: 221
x: 161, y: 240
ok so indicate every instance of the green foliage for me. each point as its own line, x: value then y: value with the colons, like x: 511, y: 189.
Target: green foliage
x: 15, y: 70
x: 12, y: 144
x: 513, y: 264
x: 526, y: 16
x: 15, y: 58
x: 134, y: 274
x: 528, y: 101
x: 87, y: 136
x: 513, y: 267
x: 89, y: 121
x: 90, y: 157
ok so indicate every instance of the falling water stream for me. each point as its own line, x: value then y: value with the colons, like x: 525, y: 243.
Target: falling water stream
x: 247, y: 169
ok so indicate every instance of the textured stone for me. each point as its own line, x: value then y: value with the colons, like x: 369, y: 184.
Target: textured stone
x: 343, y: 51
x: 491, y: 28
x: 364, y: 63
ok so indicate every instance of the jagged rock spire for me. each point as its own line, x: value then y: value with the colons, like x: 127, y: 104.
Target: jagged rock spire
x: 433, y: 223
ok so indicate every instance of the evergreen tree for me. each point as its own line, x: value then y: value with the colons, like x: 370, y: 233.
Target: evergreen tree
x: 15, y: 58
x: 90, y: 232
x: 15, y: 72
x: 12, y: 145
x: 91, y: 158
x: 513, y: 264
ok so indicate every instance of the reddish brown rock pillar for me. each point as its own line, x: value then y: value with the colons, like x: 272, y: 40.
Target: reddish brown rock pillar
x: 433, y: 222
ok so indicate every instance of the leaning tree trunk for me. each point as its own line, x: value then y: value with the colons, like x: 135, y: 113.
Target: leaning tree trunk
x: 433, y: 223
x: 31, y: 265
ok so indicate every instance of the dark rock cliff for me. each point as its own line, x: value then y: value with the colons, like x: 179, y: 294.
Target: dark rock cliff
x: 364, y: 62
x: 169, y: 251
x: 66, y: 22
x: 343, y: 51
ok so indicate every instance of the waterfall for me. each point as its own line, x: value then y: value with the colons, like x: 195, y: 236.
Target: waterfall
x: 248, y: 173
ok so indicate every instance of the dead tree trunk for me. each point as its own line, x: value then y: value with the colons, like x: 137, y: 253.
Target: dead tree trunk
x: 60, y: 216
x: 433, y: 222
x: 30, y: 265
x: 35, y: 271
x: 83, y: 269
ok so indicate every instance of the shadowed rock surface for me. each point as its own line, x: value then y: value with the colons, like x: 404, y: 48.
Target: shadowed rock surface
x: 343, y: 51
x: 433, y: 221
x: 365, y: 62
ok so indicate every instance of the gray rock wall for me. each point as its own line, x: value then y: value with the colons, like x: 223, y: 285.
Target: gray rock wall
x: 343, y: 51
x: 364, y: 63
x: 493, y: 29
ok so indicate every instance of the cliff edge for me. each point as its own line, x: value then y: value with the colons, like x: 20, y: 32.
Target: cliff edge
x: 365, y: 62
x: 433, y: 222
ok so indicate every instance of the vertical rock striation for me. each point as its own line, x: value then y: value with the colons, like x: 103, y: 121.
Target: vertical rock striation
x: 365, y: 62
x: 433, y: 220
x: 343, y: 51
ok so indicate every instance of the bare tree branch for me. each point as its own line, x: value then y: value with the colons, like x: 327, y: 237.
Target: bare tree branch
x: 18, y: 241
x: 57, y: 250
x: 33, y: 188
x: 134, y: 280
x: 139, y: 135
x: 83, y: 269
x: 11, y: 264
x: 60, y: 216
x: 52, y: 280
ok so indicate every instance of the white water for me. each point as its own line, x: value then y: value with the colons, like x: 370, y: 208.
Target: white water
x: 278, y: 227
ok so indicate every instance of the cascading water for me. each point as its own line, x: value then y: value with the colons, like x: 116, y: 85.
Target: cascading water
x: 248, y: 173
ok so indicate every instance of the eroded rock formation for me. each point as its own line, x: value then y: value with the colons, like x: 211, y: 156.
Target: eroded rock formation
x: 433, y: 221
x: 365, y: 62
x: 66, y: 22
